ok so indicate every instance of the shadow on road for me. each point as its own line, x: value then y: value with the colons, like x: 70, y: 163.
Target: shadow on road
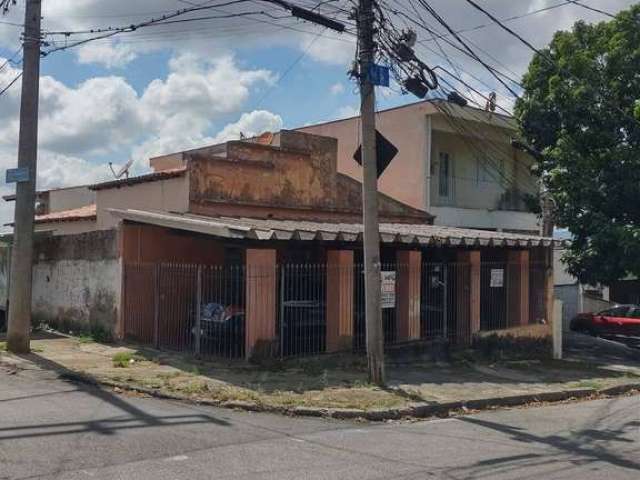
x: 586, y: 446
x: 134, y: 418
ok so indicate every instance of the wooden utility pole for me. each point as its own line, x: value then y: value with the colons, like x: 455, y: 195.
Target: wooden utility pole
x: 371, y: 241
x: 19, y: 326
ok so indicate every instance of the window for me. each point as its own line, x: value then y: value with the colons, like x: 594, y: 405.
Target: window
x: 615, y: 312
x: 634, y: 313
x: 444, y: 175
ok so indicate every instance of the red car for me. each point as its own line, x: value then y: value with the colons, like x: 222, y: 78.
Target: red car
x: 618, y: 320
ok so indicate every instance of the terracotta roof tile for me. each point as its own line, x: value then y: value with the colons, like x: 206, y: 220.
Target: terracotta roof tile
x: 87, y: 212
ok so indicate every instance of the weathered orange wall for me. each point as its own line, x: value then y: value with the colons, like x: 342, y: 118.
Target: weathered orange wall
x: 518, y: 286
x: 261, y: 284
x: 339, y: 310
x: 472, y: 258
x: 295, y: 180
x: 261, y: 174
x: 409, y: 264
x: 150, y: 244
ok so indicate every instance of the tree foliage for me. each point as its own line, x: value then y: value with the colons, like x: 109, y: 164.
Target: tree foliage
x: 581, y: 109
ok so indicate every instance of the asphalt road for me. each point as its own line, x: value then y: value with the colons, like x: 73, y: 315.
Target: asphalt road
x: 57, y: 430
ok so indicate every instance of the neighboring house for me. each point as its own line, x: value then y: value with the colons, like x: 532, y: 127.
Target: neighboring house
x: 576, y: 297
x: 63, y: 211
x: 456, y: 163
x: 156, y: 241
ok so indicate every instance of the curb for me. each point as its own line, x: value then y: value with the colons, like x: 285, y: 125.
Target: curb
x: 415, y: 411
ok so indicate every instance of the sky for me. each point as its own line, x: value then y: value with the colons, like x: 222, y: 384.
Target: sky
x: 167, y: 88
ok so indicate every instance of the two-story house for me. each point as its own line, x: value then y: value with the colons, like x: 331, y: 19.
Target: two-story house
x: 456, y: 163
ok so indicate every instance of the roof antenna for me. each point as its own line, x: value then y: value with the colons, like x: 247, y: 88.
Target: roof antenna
x: 124, y: 171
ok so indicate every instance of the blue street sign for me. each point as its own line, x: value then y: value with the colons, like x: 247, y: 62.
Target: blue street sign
x: 379, y: 75
x: 17, y: 175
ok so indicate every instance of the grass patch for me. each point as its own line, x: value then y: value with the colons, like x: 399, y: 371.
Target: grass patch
x: 125, y: 359
x: 85, y: 338
x: 3, y: 346
x: 594, y: 384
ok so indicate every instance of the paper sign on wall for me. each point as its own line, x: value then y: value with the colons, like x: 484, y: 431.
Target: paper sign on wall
x: 388, y: 289
x: 497, y: 278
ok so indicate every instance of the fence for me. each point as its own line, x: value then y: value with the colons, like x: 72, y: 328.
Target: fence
x: 220, y: 311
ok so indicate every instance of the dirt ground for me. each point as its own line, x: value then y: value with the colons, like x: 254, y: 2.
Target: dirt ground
x: 326, y: 382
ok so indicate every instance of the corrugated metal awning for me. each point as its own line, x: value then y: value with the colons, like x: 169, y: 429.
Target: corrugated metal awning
x: 267, y: 229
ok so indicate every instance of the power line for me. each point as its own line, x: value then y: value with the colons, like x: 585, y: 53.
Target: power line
x: 108, y: 32
x: 289, y: 69
x: 513, y: 18
x: 468, y: 49
x: 15, y: 79
x: 504, y: 27
x: 10, y: 59
x: 580, y: 4
x: 545, y: 56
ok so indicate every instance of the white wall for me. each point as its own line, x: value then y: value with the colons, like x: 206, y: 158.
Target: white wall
x: 171, y: 195
x: 70, y: 198
x: 485, y: 219
x: 480, y: 172
x: 408, y: 178
x: 77, y: 293
x: 77, y: 281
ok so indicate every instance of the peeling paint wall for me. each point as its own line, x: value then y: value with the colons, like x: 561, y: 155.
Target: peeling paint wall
x: 76, y: 281
x: 296, y: 175
x: 67, y: 228
x: 297, y: 179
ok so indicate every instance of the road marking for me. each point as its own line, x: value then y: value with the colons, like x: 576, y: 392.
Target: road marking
x: 177, y: 458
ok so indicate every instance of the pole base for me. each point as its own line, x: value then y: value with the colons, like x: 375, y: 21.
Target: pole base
x: 18, y: 343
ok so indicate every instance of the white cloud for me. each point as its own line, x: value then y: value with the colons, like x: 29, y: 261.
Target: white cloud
x: 203, y: 89
x: 336, y: 88
x: 332, y: 50
x: 347, y: 111
x: 105, y: 117
x: 109, y: 54
x: 228, y: 34
x: 250, y: 124
x: 217, y: 35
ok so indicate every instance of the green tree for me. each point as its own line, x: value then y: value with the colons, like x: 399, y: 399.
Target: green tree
x: 581, y: 109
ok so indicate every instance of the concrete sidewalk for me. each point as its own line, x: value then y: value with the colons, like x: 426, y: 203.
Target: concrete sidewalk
x: 331, y: 386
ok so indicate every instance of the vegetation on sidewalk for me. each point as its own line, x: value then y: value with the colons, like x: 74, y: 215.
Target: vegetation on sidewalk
x: 336, y: 382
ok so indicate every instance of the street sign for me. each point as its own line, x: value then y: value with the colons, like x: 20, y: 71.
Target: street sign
x: 388, y: 289
x: 17, y: 175
x: 385, y: 152
x: 379, y: 75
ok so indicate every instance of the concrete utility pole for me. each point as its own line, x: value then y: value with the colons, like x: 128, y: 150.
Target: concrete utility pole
x: 547, y: 213
x: 21, y: 262
x: 373, y: 313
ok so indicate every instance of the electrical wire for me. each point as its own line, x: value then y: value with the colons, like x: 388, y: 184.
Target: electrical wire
x: 15, y: 79
x: 580, y: 4
x: 108, y: 32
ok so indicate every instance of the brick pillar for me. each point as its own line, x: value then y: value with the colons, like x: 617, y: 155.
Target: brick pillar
x: 518, y: 287
x: 260, y: 308
x: 470, y: 263
x: 339, y: 310
x: 409, y: 263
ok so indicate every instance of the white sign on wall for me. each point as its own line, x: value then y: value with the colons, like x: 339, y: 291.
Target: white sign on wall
x: 388, y: 289
x: 497, y: 278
